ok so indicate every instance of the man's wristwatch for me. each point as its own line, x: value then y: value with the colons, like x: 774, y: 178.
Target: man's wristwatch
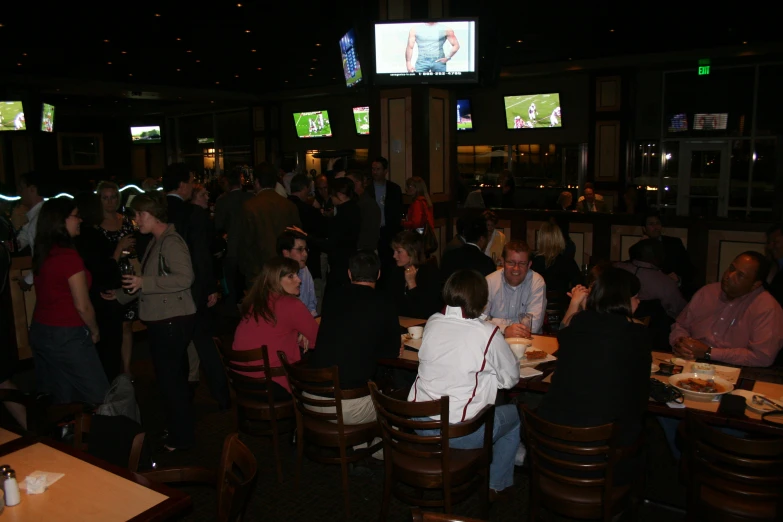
x: 708, y: 354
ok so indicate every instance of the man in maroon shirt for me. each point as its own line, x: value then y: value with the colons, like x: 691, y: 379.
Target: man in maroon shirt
x: 735, y: 321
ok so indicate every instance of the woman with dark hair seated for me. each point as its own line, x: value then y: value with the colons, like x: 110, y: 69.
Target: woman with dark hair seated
x: 604, y: 359
x: 414, y: 284
x: 468, y: 359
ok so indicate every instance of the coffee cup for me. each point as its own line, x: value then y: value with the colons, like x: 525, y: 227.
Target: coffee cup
x: 416, y: 332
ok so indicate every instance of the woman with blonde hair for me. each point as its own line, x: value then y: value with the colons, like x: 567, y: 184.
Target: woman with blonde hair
x: 420, y: 210
x: 273, y: 315
x: 414, y: 284
x: 560, y: 272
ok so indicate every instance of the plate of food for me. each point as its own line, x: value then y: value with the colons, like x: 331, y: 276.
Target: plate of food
x: 762, y: 404
x: 533, y: 357
x: 700, y: 387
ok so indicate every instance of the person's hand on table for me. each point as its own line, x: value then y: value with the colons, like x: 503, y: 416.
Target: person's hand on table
x: 517, y: 330
x: 578, y: 296
x: 132, y: 282
x: 689, y: 348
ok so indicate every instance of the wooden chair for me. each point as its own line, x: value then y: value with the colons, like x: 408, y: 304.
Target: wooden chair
x: 327, y: 430
x: 427, y: 462
x: 82, y: 427
x: 258, y: 413
x: 234, y: 480
x: 428, y: 516
x: 573, y: 470
x: 730, y: 478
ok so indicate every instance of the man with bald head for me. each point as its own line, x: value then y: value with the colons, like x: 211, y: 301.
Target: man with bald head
x: 735, y: 321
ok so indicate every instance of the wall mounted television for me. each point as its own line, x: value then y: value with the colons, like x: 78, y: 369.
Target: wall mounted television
x: 313, y: 124
x: 12, y: 116
x: 427, y: 51
x: 47, y: 117
x: 351, y: 67
x: 361, y: 116
x: 678, y: 123
x: 711, y: 121
x: 464, y: 115
x: 146, y: 135
x: 533, y: 111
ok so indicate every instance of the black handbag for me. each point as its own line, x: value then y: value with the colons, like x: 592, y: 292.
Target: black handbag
x: 662, y: 392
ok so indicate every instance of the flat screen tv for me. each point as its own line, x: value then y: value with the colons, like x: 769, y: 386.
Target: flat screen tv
x: 361, y: 115
x: 429, y: 51
x: 47, y: 117
x: 464, y: 115
x: 351, y: 67
x: 203, y: 141
x: 312, y: 124
x: 712, y: 121
x: 145, y: 135
x: 678, y: 123
x: 12, y: 116
x: 532, y: 111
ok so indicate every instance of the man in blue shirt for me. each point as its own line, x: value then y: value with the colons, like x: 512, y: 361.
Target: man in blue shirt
x: 294, y: 246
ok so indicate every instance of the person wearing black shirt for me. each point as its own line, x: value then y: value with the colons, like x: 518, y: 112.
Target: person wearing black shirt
x: 414, y: 284
x: 359, y: 327
x: 676, y: 263
x: 469, y: 256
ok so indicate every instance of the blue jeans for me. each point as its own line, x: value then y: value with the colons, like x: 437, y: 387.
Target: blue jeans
x: 505, y: 441
x: 426, y: 65
x: 67, y: 365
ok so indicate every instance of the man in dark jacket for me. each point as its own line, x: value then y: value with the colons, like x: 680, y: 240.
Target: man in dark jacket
x: 227, y: 213
x: 193, y: 224
x: 388, y: 195
x: 469, y: 256
x: 676, y: 263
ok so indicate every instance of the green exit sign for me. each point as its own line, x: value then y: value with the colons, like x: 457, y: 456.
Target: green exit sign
x: 704, y: 69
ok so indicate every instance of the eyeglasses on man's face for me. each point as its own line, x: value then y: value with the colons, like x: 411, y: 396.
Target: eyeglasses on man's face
x: 514, y: 264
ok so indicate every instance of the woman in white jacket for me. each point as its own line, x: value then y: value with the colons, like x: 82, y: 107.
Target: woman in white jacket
x: 467, y: 359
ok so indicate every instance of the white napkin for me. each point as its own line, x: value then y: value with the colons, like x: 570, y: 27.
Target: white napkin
x: 675, y: 405
x: 36, y: 482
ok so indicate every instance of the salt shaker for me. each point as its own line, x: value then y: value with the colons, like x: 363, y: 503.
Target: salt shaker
x: 11, y: 487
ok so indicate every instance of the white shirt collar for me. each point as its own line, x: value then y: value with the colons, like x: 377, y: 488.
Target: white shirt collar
x: 453, y: 311
x: 175, y: 195
x: 474, y: 244
x: 34, y: 211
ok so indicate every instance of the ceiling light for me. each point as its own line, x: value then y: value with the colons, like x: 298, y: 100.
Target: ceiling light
x: 611, y: 30
x: 258, y: 69
x: 1, y: 25
x: 24, y: 54
x: 508, y: 47
x: 189, y: 51
x: 211, y: 101
x: 124, y: 52
x: 318, y: 45
x: 312, y: 68
x: 179, y: 39
x: 309, y: 75
x: 130, y: 74
x: 198, y: 61
x: 247, y: 30
x: 236, y: 76
x: 252, y: 50
x: 19, y: 64
x: 178, y: 70
x: 157, y: 15
x: 106, y: 41
x: 519, y: 41
x: 315, y: 59
x: 217, y: 83
x: 744, y: 43
x: 239, y: 5
x: 108, y: 63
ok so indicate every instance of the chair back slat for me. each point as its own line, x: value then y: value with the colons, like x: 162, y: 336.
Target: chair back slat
x: 245, y: 386
x: 315, y: 387
x: 237, y: 476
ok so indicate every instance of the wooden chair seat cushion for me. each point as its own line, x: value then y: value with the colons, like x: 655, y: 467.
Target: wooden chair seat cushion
x: 581, y: 497
x: 325, y: 433
x: 462, y: 467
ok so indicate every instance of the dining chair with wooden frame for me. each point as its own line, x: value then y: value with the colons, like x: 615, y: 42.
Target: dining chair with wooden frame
x: 428, y: 462
x: 258, y: 413
x: 82, y: 426
x: 428, y: 516
x: 573, y: 470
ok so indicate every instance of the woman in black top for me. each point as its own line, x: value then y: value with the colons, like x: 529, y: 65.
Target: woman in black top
x: 343, y: 232
x: 603, y: 366
x: 414, y: 284
x: 560, y: 272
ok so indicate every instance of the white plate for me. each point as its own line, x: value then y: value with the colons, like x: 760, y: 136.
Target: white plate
x: 654, y: 368
x: 752, y: 406
x: 524, y: 363
x: 674, y: 380
x: 527, y: 373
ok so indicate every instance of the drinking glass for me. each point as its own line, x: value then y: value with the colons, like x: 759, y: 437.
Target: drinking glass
x: 526, y: 320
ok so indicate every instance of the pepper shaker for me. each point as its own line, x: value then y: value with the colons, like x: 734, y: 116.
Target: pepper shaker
x: 11, y: 488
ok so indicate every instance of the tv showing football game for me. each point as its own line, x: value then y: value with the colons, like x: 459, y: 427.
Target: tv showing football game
x: 432, y: 52
x: 47, y: 117
x: 710, y: 121
x: 532, y: 111
x: 12, y: 116
x: 145, y: 135
x: 312, y: 124
x: 678, y: 123
x: 351, y: 67
x: 361, y: 116
x: 464, y: 117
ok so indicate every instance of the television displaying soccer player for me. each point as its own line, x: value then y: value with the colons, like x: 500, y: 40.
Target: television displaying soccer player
x: 441, y: 51
x: 351, y: 67
x: 12, y: 116
x: 47, y: 117
x: 312, y: 124
x: 361, y: 116
x: 464, y: 115
x: 532, y: 111
x: 146, y: 135
x: 707, y: 122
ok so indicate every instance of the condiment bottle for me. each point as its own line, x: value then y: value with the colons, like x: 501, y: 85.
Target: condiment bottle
x: 11, y: 488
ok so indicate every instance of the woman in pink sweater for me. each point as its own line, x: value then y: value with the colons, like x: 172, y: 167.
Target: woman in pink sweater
x: 273, y: 315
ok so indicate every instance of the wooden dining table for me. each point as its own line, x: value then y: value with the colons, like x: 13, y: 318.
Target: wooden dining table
x: 751, y: 422
x: 90, y: 490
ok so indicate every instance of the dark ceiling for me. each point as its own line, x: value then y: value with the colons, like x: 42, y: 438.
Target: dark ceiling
x: 260, y: 46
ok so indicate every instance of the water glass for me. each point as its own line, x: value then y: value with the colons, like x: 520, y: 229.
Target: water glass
x: 526, y: 320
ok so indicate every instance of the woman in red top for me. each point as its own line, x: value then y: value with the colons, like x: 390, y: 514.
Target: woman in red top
x: 420, y: 211
x: 273, y: 315
x: 64, y: 330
